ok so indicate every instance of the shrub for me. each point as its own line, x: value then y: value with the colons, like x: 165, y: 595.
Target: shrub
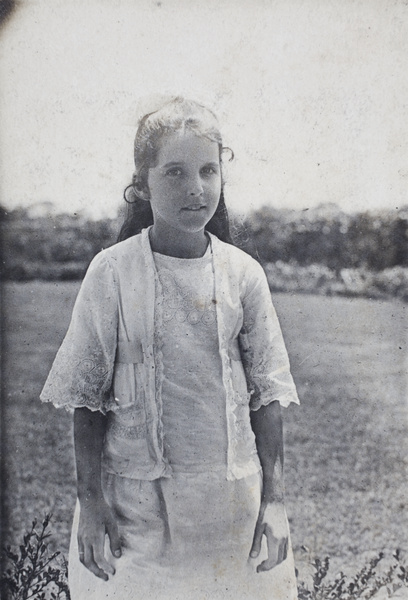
x: 370, y: 581
x: 319, y: 279
x: 32, y: 572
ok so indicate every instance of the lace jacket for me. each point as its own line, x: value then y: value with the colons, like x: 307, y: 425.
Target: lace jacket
x: 109, y: 360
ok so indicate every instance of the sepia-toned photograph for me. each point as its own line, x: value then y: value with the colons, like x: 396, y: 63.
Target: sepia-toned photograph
x: 204, y: 295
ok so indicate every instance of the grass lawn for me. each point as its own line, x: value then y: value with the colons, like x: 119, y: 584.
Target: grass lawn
x: 346, y: 446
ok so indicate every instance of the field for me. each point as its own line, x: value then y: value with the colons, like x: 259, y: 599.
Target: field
x: 346, y: 446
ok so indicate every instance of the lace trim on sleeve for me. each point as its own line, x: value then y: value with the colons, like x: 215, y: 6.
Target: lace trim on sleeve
x: 87, y: 386
x: 82, y: 371
x: 263, y: 349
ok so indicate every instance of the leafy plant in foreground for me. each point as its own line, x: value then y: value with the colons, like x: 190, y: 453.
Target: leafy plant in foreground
x: 32, y: 572
x: 363, y: 585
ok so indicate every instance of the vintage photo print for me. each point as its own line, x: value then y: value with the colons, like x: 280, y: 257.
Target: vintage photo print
x: 270, y: 161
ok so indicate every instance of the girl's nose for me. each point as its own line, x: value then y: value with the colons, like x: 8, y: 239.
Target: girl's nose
x: 196, y: 187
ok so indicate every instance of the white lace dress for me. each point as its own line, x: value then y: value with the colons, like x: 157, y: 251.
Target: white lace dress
x: 176, y: 353
x: 187, y: 537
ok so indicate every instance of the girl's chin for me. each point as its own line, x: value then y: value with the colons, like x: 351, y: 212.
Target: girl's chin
x: 188, y: 221
x: 190, y: 224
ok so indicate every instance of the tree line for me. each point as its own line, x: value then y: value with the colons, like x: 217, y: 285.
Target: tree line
x: 327, y: 236
x: 61, y: 246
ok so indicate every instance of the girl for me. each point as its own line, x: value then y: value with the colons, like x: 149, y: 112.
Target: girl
x: 175, y: 366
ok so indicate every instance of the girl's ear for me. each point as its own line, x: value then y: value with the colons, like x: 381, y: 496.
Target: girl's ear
x: 143, y: 192
x: 141, y: 189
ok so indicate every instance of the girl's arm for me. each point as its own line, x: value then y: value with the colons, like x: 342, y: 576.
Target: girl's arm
x: 96, y: 518
x: 272, y: 521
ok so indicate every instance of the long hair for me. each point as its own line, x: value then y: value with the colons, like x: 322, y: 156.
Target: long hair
x: 178, y: 115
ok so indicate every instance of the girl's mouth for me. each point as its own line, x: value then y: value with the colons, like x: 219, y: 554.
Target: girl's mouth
x: 194, y: 207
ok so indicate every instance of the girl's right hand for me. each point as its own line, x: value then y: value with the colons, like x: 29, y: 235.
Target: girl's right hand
x: 96, y: 519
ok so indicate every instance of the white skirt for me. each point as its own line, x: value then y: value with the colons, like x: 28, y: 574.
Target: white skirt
x: 186, y: 537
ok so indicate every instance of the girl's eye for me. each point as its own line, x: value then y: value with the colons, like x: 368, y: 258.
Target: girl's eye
x: 209, y: 171
x: 173, y: 172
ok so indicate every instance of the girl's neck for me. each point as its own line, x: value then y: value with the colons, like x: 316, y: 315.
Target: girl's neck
x: 177, y: 244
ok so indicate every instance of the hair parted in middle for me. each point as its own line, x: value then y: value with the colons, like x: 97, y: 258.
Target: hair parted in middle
x: 177, y: 115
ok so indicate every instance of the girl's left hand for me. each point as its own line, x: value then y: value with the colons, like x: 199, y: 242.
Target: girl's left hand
x: 273, y: 523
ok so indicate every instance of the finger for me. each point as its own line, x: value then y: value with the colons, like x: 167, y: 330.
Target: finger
x: 277, y: 552
x: 267, y: 564
x: 272, y: 545
x: 81, y: 552
x: 114, y: 540
x: 264, y: 566
x: 102, y: 563
x: 90, y: 564
x: 283, y: 550
x: 257, y: 541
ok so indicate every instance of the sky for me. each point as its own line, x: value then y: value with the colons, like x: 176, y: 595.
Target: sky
x: 312, y: 96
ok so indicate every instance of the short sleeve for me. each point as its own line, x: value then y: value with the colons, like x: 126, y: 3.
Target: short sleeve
x: 81, y: 375
x: 263, y: 350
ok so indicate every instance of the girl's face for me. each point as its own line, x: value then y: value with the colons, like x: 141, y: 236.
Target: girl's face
x: 185, y: 185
